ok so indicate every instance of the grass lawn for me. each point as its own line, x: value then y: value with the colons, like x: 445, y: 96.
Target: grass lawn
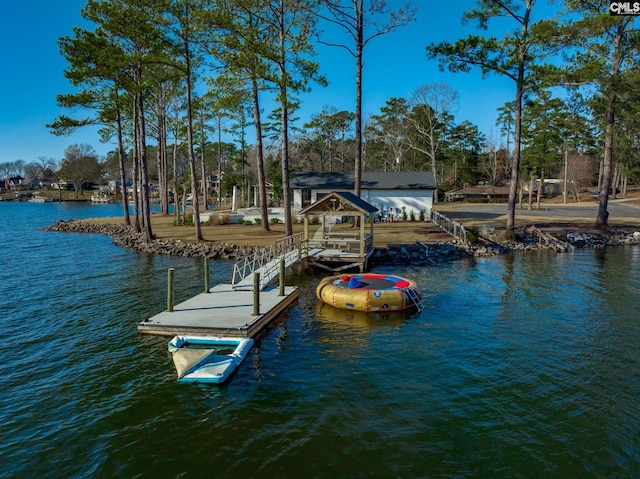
x: 252, y: 235
x: 384, y: 233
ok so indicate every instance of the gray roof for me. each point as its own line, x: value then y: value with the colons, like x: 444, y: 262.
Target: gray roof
x: 346, y: 202
x: 371, y: 180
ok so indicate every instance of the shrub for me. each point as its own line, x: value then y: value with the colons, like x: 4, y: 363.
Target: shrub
x: 219, y: 219
x: 274, y: 221
x: 422, y: 215
x: 257, y: 221
x: 412, y: 215
x: 510, y: 235
x: 404, y: 213
x: 472, y: 234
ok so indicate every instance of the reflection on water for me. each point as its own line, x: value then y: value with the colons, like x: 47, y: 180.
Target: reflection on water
x: 343, y: 318
x: 519, y: 366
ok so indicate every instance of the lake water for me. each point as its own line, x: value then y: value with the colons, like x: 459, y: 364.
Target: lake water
x: 520, y: 366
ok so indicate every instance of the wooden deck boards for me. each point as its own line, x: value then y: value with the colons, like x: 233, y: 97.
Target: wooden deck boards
x: 337, y: 260
x: 221, y: 312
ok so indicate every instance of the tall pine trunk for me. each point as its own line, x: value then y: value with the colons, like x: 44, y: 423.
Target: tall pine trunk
x: 122, y: 167
x: 284, y: 120
x: 603, y: 213
x: 357, y: 172
x: 515, y: 166
x: 262, y: 182
x: 192, y: 162
x: 136, y: 170
x: 144, y: 174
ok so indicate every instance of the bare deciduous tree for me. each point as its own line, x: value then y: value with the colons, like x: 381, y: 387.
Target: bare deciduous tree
x: 432, y: 107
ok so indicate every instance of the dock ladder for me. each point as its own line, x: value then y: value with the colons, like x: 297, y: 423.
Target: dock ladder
x: 415, y: 298
x: 426, y: 251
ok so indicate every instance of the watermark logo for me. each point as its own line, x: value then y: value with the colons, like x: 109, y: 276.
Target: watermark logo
x: 624, y: 8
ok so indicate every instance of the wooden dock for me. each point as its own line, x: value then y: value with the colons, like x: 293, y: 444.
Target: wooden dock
x: 230, y: 309
x: 223, y: 311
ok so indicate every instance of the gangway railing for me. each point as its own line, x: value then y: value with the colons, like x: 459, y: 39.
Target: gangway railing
x: 455, y: 229
x: 267, y: 259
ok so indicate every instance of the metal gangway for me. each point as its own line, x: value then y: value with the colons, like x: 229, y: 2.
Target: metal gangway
x: 266, y: 261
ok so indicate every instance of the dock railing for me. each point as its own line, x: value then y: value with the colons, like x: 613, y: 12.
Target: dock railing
x: 344, y: 241
x: 267, y: 259
x: 455, y: 229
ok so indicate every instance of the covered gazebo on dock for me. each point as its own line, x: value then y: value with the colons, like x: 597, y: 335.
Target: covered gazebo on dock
x: 340, y: 250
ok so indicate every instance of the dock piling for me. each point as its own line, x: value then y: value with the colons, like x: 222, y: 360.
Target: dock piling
x: 256, y: 294
x: 281, y: 278
x: 170, y: 276
x: 207, y: 288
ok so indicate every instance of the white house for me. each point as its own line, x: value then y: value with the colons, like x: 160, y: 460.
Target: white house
x: 389, y: 191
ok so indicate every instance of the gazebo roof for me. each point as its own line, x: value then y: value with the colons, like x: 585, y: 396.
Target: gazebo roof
x: 340, y: 201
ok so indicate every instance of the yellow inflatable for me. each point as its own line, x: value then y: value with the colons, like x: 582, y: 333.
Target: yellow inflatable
x: 370, y: 292
x: 352, y: 319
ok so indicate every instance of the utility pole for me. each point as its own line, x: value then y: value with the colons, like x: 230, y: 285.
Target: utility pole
x: 564, y: 190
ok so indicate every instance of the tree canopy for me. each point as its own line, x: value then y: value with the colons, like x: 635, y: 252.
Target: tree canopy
x: 170, y: 80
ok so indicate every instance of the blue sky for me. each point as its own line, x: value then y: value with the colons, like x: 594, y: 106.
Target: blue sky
x: 395, y: 65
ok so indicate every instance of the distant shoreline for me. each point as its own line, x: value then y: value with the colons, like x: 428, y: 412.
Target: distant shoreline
x: 48, y: 200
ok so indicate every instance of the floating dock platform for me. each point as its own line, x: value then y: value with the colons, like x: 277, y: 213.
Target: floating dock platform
x: 223, y: 311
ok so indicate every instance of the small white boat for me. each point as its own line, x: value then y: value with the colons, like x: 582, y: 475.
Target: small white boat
x: 39, y: 199
x: 102, y: 198
x: 207, y: 359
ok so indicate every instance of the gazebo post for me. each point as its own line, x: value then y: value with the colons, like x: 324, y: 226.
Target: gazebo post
x: 362, y: 252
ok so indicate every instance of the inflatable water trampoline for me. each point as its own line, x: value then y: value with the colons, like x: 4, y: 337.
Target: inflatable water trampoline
x: 370, y: 292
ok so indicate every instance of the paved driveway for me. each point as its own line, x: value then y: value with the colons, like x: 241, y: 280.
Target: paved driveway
x: 618, y: 211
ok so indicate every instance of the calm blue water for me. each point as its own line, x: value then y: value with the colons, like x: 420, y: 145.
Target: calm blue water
x: 520, y: 366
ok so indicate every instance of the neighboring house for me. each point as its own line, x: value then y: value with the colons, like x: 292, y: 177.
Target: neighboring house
x: 115, y: 186
x: 256, y: 194
x: 488, y: 192
x: 14, y: 183
x: 35, y: 184
x: 389, y: 191
x: 552, y: 186
x: 212, y: 182
x: 62, y: 185
x: 477, y: 192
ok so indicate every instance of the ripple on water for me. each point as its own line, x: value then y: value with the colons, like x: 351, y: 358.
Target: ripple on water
x: 519, y: 366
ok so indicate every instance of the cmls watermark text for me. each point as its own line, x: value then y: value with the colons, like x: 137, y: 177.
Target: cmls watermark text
x: 624, y: 8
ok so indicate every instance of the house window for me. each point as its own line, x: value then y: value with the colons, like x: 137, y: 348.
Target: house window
x: 306, y: 197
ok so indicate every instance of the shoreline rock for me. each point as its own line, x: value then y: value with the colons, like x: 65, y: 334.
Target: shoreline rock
x: 558, y: 238
x: 126, y: 237
x: 529, y: 238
